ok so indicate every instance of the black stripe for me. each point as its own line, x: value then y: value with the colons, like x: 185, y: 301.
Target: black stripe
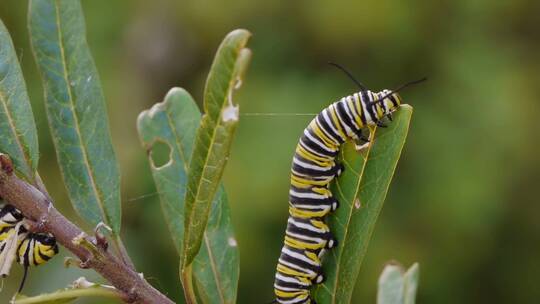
x: 344, y: 117
x: 298, y: 286
x: 316, y: 148
x: 317, y: 137
x: 394, y: 101
x: 359, y: 109
x: 354, y: 111
x: 323, y: 170
x: 327, y: 128
x: 301, y: 266
x: 322, y: 202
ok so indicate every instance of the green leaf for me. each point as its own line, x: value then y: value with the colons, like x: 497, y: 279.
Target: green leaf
x: 76, y: 110
x: 397, y: 286
x: 173, y: 123
x: 70, y: 294
x: 17, y: 126
x: 213, y: 139
x: 361, y: 191
x: 391, y: 285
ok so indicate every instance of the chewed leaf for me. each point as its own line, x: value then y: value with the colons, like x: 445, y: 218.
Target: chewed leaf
x: 361, y: 191
x: 213, y: 138
x: 173, y: 123
x: 17, y: 126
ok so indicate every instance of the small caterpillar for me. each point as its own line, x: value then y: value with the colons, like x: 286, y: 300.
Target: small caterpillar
x: 33, y: 249
x: 314, y: 166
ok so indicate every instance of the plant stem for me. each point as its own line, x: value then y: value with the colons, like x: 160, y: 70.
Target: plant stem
x: 38, y: 207
x: 187, y: 284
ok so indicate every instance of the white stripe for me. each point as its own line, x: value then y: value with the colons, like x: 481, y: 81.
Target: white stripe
x: 290, y: 279
x: 30, y: 252
x: 308, y: 272
x: 295, y: 300
x: 301, y: 143
x: 367, y: 114
x: 283, y: 288
x: 315, y: 140
x: 307, y: 195
x: 310, y: 166
x: 321, y: 177
x: 348, y: 110
x: 313, y: 207
x: 317, y: 241
x: 307, y: 226
x: 334, y: 140
x: 348, y: 130
x: 300, y: 256
x: 330, y: 122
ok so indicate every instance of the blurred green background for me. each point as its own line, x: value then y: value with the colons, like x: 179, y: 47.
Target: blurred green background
x: 463, y: 202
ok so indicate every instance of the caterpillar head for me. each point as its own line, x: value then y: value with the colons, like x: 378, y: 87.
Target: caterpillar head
x: 390, y: 103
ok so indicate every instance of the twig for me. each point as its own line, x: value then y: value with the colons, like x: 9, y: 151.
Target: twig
x: 38, y: 207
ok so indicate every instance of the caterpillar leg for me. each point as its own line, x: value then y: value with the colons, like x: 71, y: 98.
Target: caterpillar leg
x: 338, y: 169
x: 335, y: 204
x: 361, y: 144
x: 319, y: 278
x: 332, y: 242
x: 362, y: 140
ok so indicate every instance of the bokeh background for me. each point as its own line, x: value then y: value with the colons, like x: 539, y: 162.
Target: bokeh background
x: 464, y: 200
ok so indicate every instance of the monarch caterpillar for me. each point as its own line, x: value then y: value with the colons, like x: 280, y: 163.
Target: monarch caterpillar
x: 314, y: 166
x: 33, y: 249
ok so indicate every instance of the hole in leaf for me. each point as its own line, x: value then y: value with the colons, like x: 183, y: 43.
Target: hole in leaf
x: 160, y: 154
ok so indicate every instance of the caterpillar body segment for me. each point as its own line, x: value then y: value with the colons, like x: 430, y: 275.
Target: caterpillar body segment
x: 33, y: 249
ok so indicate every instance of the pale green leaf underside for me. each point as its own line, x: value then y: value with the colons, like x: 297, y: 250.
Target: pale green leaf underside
x: 397, y: 286
x: 213, y: 138
x: 76, y: 109
x: 411, y: 284
x: 68, y: 295
x: 361, y: 191
x: 174, y: 122
x: 17, y: 126
x: 391, y: 285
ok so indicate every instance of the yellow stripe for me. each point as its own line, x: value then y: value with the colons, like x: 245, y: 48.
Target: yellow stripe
x: 320, y: 224
x: 302, y: 181
x: 335, y: 119
x: 357, y: 116
x: 294, y: 243
x: 306, y: 214
x: 37, y: 257
x: 22, y: 249
x: 308, y: 155
x: 312, y: 256
x: 286, y: 270
x: 322, y: 191
x: 291, y: 294
x: 327, y: 141
x: 359, y: 109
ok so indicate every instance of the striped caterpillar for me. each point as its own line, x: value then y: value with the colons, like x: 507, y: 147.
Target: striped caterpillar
x: 314, y: 166
x: 32, y: 249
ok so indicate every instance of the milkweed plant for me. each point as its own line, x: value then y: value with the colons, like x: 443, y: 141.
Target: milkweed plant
x: 193, y: 198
